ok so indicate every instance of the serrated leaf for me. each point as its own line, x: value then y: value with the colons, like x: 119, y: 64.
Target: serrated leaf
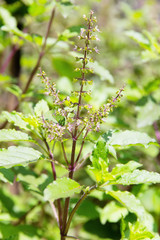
x: 41, y: 108
x: 61, y: 188
x: 100, y: 152
x: 13, y: 135
x: 32, y: 121
x: 101, y: 174
x: 18, y: 156
x: 16, y: 118
x: 138, y: 177
x: 120, y: 169
x: 128, y: 138
x: 139, y: 232
x: 100, y: 162
x: 112, y: 212
x: 133, y: 205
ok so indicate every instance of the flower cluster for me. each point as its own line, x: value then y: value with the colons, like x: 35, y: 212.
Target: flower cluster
x: 50, y: 88
x: 54, y: 130
x: 95, y: 117
x: 87, y: 35
x: 75, y: 117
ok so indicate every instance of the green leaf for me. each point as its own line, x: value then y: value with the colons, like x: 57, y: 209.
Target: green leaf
x: 32, y: 121
x: 112, y: 212
x: 138, y: 177
x: 16, y: 118
x: 5, y: 78
x: 100, y: 152
x: 15, y: 90
x: 61, y: 188
x: 41, y: 108
x: 64, y: 85
x: 148, y: 114
x: 133, y: 205
x: 18, y: 156
x: 149, y: 55
x: 120, y: 169
x: 25, y: 231
x: 13, y: 135
x: 100, y: 172
x: 100, y: 162
x: 66, y: 35
x: 103, y: 73
x: 138, y: 37
x: 127, y: 138
x: 112, y: 151
x: 8, y: 20
x: 33, y: 183
x: 24, y: 122
x: 139, y: 232
x: 18, y: 33
x: 6, y: 175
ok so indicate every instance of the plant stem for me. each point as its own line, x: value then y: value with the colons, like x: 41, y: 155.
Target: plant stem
x: 157, y: 131
x: 41, y: 54
x: 80, y: 151
x: 54, y: 211
x: 82, y: 160
x: 64, y: 153
x: 72, y: 164
x: 54, y: 176
x: 10, y: 56
x: 76, y: 207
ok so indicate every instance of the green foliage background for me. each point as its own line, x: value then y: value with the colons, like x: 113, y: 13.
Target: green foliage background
x: 129, y: 54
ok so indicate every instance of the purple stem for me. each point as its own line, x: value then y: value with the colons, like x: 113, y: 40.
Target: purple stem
x: 157, y: 132
x: 8, y: 59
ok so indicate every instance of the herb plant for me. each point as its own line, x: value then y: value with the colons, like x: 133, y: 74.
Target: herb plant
x: 74, y: 121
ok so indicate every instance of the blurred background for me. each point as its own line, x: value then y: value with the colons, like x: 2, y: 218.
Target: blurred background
x: 129, y: 53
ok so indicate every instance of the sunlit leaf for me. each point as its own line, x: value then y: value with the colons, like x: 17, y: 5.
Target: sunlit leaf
x: 133, y: 205
x: 138, y: 177
x: 100, y: 162
x: 139, y: 232
x: 13, y: 135
x: 18, y: 156
x: 120, y: 169
x: 148, y: 114
x: 112, y: 212
x: 16, y: 118
x: 61, y: 188
x: 127, y: 138
x: 100, y: 152
x: 41, y: 108
x: 8, y: 20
